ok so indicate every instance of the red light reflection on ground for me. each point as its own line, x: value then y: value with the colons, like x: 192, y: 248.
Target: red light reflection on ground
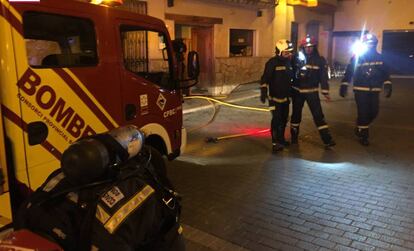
x: 255, y: 132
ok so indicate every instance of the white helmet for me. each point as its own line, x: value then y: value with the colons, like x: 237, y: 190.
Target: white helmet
x: 283, y: 45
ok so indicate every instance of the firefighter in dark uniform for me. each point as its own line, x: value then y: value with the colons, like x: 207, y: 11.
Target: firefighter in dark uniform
x: 370, y: 76
x: 310, y: 71
x: 275, y: 86
x: 106, y: 196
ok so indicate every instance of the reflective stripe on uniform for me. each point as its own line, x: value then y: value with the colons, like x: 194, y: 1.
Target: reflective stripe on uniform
x: 367, y: 89
x: 387, y: 82
x: 280, y: 68
x: 371, y: 63
x: 323, y: 127
x: 278, y: 100
x: 314, y: 67
x: 325, y: 91
x: 345, y: 83
x: 263, y: 85
x: 306, y: 90
x: 53, y: 182
x: 363, y: 127
x: 294, y: 125
x: 101, y: 215
x: 121, y: 214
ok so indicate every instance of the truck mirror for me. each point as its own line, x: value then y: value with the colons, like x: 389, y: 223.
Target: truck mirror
x: 193, y: 65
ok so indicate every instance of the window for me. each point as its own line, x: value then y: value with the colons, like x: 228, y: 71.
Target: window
x: 241, y: 43
x: 59, y: 41
x: 145, y: 54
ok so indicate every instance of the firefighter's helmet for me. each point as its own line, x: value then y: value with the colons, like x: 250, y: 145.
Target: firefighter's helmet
x: 369, y: 39
x: 308, y: 41
x: 283, y: 45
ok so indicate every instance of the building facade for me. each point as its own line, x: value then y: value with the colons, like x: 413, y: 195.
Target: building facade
x: 236, y: 37
x: 392, y: 21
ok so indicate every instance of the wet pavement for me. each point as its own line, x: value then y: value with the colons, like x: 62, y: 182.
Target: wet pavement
x: 237, y: 195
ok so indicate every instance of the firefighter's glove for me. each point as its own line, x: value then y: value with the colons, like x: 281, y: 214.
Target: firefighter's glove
x: 343, y: 90
x: 263, y: 94
x: 387, y: 90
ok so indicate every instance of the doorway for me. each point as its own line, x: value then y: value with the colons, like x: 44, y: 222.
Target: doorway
x: 199, y: 39
x: 398, y: 51
x: 312, y: 29
x: 294, y: 34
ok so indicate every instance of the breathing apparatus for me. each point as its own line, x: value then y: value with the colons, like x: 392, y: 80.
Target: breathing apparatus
x: 101, y: 156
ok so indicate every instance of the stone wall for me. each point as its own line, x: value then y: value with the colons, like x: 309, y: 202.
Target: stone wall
x: 232, y: 71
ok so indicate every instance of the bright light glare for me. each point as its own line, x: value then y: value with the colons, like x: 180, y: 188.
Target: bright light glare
x: 302, y: 56
x: 359, y: 48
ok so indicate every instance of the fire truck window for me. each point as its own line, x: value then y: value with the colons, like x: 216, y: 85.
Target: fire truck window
x: 54, y: 41
x: 143, y: 55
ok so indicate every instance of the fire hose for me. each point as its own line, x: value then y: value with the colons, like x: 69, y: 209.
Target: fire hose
x: 212, y: 101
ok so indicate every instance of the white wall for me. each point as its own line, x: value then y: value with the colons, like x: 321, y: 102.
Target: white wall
x: 377, y: 15
x: 233, y: 18
x: 285, y: 14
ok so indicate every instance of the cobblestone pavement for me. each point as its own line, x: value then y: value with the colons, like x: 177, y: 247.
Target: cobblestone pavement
x: 237, y: 195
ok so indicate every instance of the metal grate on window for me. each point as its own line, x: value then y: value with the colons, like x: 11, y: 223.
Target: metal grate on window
x: 135, y: 50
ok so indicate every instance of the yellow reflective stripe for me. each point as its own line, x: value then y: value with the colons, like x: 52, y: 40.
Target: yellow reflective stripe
x: 308, y: 90
x: 345, y: 83
x: 376, y: 89
x: 323, y: 127
x: 363, y: 127
x: 315, y: 67
x: 371, y: 63
x: 180, y: 230
x: 357, y: 88
x: 12, y: 10
x: 101, y: 215
x: 294, y: 125
x: 119, y: 216
x: 325, y: 91
x: 53, y: 182
x: 263, y: 85
x: 387, y: 82
x: 280, y: 68
x: 278, y: 100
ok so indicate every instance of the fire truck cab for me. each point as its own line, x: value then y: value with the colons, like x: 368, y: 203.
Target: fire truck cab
x: 69, y: 69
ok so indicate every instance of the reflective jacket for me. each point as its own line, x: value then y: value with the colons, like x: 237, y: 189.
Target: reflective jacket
x: 311, y: 72
x: 132, y: 212
x: 277, y: 78
x: 368, y: 72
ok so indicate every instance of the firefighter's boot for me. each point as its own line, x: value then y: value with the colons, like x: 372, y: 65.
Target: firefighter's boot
x: 281, y: 136
x: 327, y: 138
x: 294, y: 134
x: 277, y: 147
x: 363, y: 135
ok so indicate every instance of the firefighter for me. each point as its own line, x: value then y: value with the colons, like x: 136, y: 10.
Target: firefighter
x: 106, y: 196
x: 310, y: 71
x: 370, y: 76
x: 275, y: 86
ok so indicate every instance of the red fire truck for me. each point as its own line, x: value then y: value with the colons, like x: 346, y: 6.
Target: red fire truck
x: 70, y: 69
